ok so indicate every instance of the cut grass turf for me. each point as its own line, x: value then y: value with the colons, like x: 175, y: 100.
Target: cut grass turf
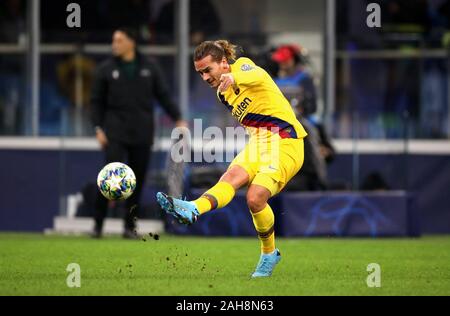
x: 32, y: 264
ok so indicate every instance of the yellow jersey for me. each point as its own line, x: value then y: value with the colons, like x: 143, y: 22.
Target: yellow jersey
x: 258, y: 104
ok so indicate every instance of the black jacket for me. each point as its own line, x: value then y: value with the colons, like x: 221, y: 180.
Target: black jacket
x: 123, y: 106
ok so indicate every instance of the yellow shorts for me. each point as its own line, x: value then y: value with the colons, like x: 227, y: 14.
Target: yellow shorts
x: 271, y: 164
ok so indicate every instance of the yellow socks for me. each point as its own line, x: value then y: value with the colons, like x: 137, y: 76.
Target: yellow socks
x: 264, y: 223
x: 217, y: 197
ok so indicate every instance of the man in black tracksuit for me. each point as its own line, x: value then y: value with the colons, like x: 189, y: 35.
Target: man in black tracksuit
x: 122, y: 113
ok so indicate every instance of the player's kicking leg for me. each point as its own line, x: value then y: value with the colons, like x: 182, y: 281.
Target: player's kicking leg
x: 184, y: 211
x: 187, y: 212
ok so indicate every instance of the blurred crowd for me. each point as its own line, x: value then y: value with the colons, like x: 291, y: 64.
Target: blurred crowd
x: 429, y: 19
x: 154, y: 20
x: 419, y: 22
x: 399, y: 95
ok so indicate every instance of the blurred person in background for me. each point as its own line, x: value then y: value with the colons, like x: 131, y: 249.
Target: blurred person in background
x: 75, y: 77
x: 122, y: 102
x: 293, y: 78
x: 319, y: 152
x: 297, y: 84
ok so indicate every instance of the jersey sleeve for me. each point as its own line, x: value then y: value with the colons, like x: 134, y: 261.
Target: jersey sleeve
x: 247, y: 73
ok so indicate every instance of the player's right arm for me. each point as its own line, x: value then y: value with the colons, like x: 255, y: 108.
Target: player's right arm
x: 247, y: 73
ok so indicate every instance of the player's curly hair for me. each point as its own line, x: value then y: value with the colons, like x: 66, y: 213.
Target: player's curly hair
x: 217, y: 49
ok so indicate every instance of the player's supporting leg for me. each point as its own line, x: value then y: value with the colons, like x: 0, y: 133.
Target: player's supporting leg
x: 264, y: 220
x: 218, y: 196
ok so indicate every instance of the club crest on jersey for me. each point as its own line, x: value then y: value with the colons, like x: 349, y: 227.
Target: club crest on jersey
x: 247, y: 67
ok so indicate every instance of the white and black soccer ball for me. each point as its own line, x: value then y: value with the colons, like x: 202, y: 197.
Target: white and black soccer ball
x: 116, y: 181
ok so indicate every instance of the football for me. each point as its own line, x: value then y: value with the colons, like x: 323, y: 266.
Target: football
x: 116, y: 181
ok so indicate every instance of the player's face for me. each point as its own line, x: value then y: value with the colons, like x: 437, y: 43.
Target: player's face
x: 211, y: 70
x: 121, y: 44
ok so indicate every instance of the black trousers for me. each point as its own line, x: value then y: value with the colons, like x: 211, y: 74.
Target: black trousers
x: 137, y: 157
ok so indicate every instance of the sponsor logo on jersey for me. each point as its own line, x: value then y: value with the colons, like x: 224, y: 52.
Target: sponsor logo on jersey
x: 240, y: 109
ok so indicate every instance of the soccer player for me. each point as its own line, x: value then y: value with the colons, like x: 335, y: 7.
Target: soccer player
x: 272, y: 157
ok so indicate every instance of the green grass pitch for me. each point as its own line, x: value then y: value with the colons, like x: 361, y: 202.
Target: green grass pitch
x: 33, y: 264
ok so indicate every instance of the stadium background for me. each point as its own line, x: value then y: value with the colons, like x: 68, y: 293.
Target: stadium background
x: 384, y: 96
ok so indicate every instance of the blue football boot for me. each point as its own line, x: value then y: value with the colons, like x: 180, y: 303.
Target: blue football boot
x: 266, y: 264
x: 184, y: 211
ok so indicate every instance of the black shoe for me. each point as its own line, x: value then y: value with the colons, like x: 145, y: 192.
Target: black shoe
x: 130, y: 234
